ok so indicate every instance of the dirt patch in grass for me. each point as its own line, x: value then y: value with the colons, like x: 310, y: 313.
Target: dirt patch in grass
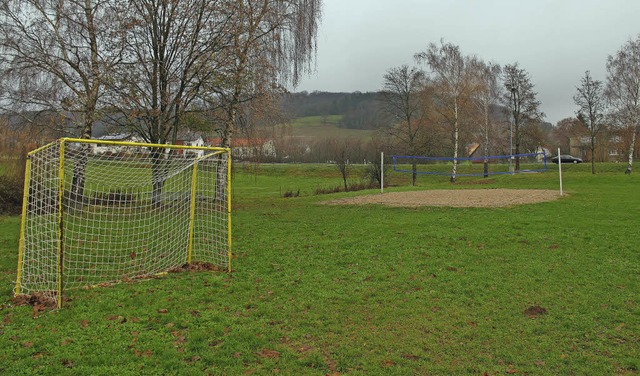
x: 39, y: 301
x: 197, y: 267
x: 460, y: 198
x: 535, y: 311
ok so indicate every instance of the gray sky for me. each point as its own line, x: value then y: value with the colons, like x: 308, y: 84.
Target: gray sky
x: 555, y: 41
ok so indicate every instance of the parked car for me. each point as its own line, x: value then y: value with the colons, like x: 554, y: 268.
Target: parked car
x: 566, y: 159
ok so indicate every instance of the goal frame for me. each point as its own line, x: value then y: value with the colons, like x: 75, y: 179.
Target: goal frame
x: 212, y: 151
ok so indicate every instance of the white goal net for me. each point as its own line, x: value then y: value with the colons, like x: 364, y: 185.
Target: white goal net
x: 100, y: 212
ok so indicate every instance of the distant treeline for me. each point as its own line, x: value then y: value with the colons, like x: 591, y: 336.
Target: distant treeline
x: 358, y: 110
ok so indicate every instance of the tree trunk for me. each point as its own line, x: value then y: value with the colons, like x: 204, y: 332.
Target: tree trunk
x: 414, y: 170
x: 593, y: 155
x: 80, y: 164
x: 632, y: 148
x: 456, y: 136
x: 517, y: 151
x: 486, y: 139
x: 343, y: 170
x: 158, y: 174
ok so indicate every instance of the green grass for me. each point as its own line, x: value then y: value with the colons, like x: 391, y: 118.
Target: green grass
x: 319, y: 127
x: 366, y: 290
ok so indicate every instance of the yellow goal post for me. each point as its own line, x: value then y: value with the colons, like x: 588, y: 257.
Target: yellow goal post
x: 97, y: 212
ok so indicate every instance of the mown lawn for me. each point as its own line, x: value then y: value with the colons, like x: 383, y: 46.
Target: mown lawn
x: 545, y: 289
x: 320, y: 127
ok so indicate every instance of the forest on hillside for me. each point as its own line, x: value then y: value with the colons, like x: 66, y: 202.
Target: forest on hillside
x: 358, y: 110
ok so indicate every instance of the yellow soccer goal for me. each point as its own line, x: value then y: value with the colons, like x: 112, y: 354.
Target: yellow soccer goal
x: 98, y: 212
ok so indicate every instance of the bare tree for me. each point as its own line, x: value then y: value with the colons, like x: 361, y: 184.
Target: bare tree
x: 57, y: 55
x: 167, y: 56
x: 344, y: 152
x: 402, y: 101
x: 271, y: 43
x: 565, y: 130
x: 56, y: 58
x: 521, y: 101
x: 623, y: 90
x: 451, y: 78
x: 487, y: 94
x: 591, y: 102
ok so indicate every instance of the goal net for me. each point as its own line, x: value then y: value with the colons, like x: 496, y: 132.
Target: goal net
x: 474, y: 166
x: 98, y: 212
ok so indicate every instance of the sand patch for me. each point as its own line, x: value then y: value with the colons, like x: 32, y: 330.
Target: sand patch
x: 459, y: 198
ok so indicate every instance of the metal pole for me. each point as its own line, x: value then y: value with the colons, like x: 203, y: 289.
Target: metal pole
x: 511, y: 121
x: 382, y: 172
x: 560, y: 170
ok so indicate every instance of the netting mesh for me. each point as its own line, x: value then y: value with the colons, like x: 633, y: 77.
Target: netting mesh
x: 472, y: 166
x: 103, y: 212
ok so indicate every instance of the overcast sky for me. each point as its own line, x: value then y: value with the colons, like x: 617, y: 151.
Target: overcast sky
x: 556, y: 41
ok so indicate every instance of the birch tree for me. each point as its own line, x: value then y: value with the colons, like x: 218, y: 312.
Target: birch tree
x: 623, y: 90
x: 487, y: 94
x: 402, y: 101
x: 522, y: 103
x: 591, y: 108
x: 450, y: 71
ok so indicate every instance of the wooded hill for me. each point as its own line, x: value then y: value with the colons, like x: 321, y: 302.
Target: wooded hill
x: 358, y: 110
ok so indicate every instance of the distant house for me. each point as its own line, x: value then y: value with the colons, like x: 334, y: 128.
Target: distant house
x: 189, y: 138
x: 184, y: 138
x: 608, y: 148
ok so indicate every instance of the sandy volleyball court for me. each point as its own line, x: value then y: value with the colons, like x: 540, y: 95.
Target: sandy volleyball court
x: 485, y: 198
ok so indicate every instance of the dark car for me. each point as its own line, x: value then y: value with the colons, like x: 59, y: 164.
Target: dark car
x: 566, y: 159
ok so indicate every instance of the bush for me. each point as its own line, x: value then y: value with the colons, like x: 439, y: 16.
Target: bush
x: 290, y: 193
x: 11, y: 192
x: 12, y: 171
x: 351, y: 188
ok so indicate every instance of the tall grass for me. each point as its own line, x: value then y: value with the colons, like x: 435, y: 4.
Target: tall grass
x: 545, y: 289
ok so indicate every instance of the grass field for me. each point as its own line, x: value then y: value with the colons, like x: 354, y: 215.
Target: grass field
x: 318, y: 127
x: 544, y: 289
